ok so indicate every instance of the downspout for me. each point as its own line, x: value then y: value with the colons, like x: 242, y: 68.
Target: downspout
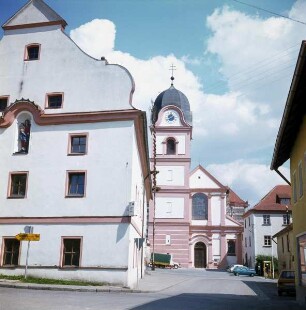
x: 143, y: 221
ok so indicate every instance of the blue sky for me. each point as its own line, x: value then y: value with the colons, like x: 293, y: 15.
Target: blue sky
x: 234, y: 63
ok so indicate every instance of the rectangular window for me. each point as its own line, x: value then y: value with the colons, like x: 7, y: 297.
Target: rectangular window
x: 169, y: 175
x: 300, y: 180
x: 267, y: 240
x: 250, y: 241
x: 3, y: 103
x: 54, y: 101
x: 168, y: 239
x: 231, y: 248
x: 288, y: 243
x: 18, y: 185
x: 169, y: 207
x: 11, y: 252
x: 294, y: 188
x: 284, y: 201
x: 76, y: 184
x: 249, y: 221
x: 244, y: 223
x: 78, y: 144
x: 71, y: 252
x: 301, y: 261
x: 245, y: 242
x: 266, y: 219
x: 32, y: 52
x: 286, y: 219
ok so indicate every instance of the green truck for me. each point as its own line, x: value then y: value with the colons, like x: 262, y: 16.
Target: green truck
x: 163, y: 261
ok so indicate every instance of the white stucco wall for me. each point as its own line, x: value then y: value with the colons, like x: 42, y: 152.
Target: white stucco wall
x: 171, y: 175
x: 216, y: 246
x: 87, y: 84
x: 99, y: 243
x: 215, y: 210
x: 200, y: 180
x: 169, y: 207
x: 108, y: 170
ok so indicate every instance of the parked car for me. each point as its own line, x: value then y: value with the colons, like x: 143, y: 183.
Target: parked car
x: 245, y: 271
x: 286, y: 282
x: 231, y: 267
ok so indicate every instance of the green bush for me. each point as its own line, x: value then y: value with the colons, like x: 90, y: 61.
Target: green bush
x: 259, y: 263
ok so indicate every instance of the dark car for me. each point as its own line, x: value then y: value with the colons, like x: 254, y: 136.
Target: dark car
x: 245, y: 271
x: 286, y: 282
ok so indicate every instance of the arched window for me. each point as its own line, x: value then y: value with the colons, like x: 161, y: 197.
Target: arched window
x: 199, y: 207
x: 171, y: 146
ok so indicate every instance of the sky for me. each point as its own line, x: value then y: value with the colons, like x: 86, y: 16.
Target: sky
x: 233, y: 62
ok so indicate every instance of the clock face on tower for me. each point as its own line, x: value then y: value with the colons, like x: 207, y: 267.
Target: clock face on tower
x: 171, y: 117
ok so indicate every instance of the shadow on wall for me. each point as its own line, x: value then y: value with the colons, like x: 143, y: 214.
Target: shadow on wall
x: 222, y: 263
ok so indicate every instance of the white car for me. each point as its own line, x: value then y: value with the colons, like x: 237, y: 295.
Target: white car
x: 233, y: 266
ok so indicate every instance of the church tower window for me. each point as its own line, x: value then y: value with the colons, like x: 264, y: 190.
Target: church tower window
x: 171, y: 146
x: 199, y: 207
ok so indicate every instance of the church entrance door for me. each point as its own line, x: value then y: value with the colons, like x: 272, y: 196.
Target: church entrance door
x: 200, y: 255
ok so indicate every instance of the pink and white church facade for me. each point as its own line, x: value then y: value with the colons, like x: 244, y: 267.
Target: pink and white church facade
x: 190, y: 213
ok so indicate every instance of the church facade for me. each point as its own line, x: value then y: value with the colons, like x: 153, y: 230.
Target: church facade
x: 63, y: 173
x: 191, y: 216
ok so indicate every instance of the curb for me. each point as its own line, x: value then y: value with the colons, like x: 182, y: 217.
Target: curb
x: 69, y: 288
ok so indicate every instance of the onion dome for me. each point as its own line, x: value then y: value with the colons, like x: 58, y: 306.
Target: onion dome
x: 171, y: 96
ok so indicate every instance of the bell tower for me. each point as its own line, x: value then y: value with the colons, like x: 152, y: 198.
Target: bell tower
x: 169, y: 213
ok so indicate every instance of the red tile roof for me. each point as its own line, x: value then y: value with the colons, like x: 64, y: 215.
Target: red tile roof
x: 270, y: 201
x: 234, y: 199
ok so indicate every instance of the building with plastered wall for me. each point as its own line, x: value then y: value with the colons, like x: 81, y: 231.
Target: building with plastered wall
x: 62, y: 169
x: 189, y: 217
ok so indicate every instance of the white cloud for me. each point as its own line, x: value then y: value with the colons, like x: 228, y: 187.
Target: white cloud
x: 96, y: 38
x: 251, y: 181
x: 236, y: 125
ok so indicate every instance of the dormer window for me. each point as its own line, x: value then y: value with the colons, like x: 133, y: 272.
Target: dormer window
x: 32, y: 52
x: 54, y: 101
x: 3, y: 103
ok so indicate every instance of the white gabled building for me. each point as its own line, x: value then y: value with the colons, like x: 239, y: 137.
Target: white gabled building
x: 261, y: 222
x: 74, y: 158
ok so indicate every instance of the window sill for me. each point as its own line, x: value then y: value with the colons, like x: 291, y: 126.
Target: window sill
x: 70, y: 267
x: 266, y: 224
x: 267, y: 246
x: 16, y: 197
x: 20, y: 153
x: 76, y: 154
x: 53, y: 108
x: 74, y: 196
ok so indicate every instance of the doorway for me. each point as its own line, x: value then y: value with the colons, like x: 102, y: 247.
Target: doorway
x: 200, y: 255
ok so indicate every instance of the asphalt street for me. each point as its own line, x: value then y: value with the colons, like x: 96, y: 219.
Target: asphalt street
x: 162, y: 289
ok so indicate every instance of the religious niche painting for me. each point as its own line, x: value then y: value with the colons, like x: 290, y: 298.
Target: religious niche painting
x: 24, y: 136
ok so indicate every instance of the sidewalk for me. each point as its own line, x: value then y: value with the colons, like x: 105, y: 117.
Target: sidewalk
x: 55, y: 287
x: 153, y: 281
